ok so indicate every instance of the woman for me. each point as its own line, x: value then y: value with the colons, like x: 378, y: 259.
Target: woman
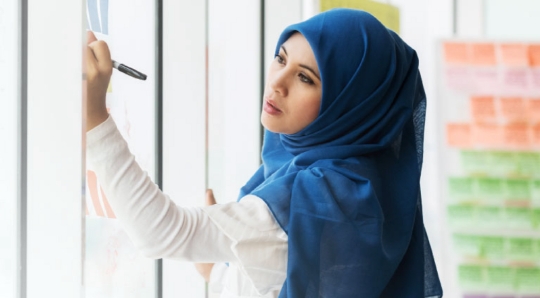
x: 335, y: 208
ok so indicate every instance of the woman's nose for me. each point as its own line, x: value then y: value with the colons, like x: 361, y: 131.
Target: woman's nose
x: 278, y: 82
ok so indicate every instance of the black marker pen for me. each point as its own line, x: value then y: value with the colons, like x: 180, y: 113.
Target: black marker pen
x: 129, y: 71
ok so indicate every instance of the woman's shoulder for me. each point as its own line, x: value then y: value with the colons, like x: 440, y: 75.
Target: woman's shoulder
x: 354, y: 168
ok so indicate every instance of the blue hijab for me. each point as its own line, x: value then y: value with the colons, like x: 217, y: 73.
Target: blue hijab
x: 346, y: 188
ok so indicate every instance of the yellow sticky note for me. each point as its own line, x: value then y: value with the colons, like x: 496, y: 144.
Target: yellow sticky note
x: 385, y: 13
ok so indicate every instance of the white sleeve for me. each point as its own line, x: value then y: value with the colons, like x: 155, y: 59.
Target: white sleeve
x: 258, y: 242
x: 243, y: 233
x: 155, y: 224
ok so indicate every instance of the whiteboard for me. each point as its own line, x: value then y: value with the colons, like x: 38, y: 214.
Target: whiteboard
x: 113, y: 267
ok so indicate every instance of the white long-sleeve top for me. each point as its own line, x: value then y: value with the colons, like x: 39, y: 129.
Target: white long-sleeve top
x: 244, y: 234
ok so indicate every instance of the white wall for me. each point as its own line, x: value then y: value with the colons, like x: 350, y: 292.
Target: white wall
x: 55, y: 142
x: 234, y: 95
x: 512, y: 20
x: 211, y: 110
x: 9, y: 161
x: 184, y: 96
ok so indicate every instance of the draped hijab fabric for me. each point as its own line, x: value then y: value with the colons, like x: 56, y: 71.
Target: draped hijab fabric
x: 346, y: 187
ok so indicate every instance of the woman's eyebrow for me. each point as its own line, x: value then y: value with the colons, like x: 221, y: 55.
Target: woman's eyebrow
x: 284, y: 50
x: 303, y: 65
x: 309, y: 68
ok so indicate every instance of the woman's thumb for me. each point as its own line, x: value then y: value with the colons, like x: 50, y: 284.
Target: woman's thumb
x: 210, y: 200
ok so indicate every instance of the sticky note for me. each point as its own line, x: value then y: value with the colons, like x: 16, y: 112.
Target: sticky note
x: 487, y: 135
x: 534, y: 77
x: 528, y: 163
x: 385, y: 13
x: 489, y: 217
x: 528, y: 279
x: 503, y: 163
x: 515, y: 81
x: 477, y: 162
x: 493, y: 247
x: 483, y: 108
x: 535, y: 134
x: 461, y: 187
x: 460, y: 215
x: 456, y: 53
x: 535, y: 192
x: 518, y: 189
x: 533, y: 109
x: 475, y: 295
x: 501, y: 278
x: 93, y: 190
x: 521, y: 249
x: 513, y: 108
x: 514, y: 54
x: 537, y: 252
x: 516, y: 135
x: 518, y: 218
x: 534, y: 55
x: 486, y: 80
x: 483, y: 54
x: 468, y: 245
x: 490, y: 189
x: 100, y: 203
x: 459, y: 78
x: 471, y: 276
x: 458, y: 135
x: 535, y: 218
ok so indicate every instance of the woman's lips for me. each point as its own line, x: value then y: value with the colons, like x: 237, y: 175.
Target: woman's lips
x: 270, y: 108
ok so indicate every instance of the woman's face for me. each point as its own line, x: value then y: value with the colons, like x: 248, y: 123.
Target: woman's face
x: 292, y: 95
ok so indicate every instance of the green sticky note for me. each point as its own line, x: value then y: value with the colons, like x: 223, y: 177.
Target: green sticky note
x: 461, y: 187
x: 535, y: 191
x: 501, y: 278
x: 489, y: 216
x: 535, y: 218
x: 475, y: 162
x: 490, y: 188
x: 528, y: 279
x: 471, y: 276
x: 468, y: 245
x: 528, y: 163
x: 537, y: 250
x: 503, y: 163
x: 521, y: 249
x: 518, y: 189
x: 493, y: 247
x: 460, y: 215
x: 518, y: 218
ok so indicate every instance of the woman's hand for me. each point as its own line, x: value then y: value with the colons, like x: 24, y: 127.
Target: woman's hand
x: 206, y: 268
x: 98, y: 68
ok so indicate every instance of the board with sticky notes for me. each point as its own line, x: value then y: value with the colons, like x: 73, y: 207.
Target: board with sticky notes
x: 489, y: 120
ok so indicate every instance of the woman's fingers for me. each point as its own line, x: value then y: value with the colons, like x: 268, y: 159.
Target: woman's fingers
x: 205, y: 269
x: 102, y: 56
x: 90, y: 37
x: 210, y: 200
x: 98, y: 69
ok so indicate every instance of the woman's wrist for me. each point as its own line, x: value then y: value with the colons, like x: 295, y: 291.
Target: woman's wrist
x: 96, y: 119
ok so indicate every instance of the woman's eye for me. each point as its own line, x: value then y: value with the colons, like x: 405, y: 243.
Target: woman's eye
x: 305, y: 79
x: 279, y: 59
